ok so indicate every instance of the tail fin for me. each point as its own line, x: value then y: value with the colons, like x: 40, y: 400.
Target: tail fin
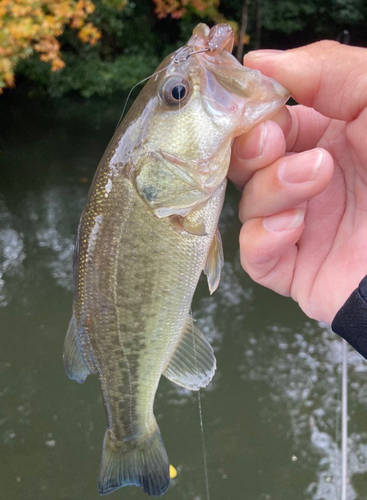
x: 141, y: 462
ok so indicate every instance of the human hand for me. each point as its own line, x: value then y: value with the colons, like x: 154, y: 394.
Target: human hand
x: 304, y: 179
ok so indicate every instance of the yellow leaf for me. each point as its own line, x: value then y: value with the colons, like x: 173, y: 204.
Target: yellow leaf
x: 34, y: 25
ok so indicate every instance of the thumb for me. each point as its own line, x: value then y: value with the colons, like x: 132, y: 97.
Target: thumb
x: 326, y: 75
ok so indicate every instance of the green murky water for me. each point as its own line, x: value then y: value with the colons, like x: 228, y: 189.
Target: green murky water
x: 271, y: 415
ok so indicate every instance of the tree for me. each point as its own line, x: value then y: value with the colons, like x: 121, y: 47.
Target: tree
x: 101, y: 47
x: 29, y: 26
x: 243, y: 30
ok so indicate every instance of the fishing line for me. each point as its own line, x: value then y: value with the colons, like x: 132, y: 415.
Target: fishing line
x: 201, y: 422
x: 344, y: 419
x: 181, y: 58
x: 134, y: 87
x: 338, y: 408
x: 344, y: 38
x: 204, y: 446
x: 176, y: 60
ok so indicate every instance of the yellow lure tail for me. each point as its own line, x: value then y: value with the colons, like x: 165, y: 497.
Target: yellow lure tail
x: 172, y: 472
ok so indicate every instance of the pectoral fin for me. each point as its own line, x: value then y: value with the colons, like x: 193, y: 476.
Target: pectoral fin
x: 194, y: 227
x: 193, y: 363
x: 214, y: 262
x: 74, y: 365
x: 197, y: 228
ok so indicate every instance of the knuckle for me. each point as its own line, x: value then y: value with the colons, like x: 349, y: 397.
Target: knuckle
x: 253, y: 254
x: 258, y: 258
x: 325, y: 45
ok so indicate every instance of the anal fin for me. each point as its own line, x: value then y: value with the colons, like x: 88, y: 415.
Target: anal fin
x: 74, y: 365
x: 193, y: 363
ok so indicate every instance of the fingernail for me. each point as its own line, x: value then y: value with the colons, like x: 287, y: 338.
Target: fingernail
x: 285, y: 221
x: 303, y: 167
x: 284, y: 119
x: 264, y: 53
x: 251, y: 145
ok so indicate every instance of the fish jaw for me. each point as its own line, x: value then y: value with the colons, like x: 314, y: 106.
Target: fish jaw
x: 265, y: 103
x: 229, y: 87
x: 246, y: 95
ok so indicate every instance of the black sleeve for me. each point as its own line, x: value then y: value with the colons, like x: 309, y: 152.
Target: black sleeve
x: 350, y: 321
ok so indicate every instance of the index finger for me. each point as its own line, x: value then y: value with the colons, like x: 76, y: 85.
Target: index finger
x: 301, y: 126
x: 253, y: 151
x: 326, y: 75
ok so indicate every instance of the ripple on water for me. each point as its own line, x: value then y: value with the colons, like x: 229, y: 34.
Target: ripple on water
x: 11, y: 252
x: 304, y: 375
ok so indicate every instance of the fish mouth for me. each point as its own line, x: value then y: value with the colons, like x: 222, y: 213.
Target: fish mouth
x: 233, y: 90
x: 217, y: 98
x: 231, y: 87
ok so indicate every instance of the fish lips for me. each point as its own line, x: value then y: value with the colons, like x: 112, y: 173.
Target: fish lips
x: 243, y: 93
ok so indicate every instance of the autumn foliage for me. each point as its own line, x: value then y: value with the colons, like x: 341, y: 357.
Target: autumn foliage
x: 34, y: 27
x: 29, y: 26
x: 177, y: 8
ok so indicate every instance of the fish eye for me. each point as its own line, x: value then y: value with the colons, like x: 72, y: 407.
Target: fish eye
x: 178, y: 92
x: 175, y: 91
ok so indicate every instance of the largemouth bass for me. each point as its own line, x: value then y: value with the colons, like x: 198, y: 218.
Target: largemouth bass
x: 148, y: 230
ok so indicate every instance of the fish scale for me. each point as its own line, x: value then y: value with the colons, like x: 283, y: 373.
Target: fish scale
x: 153, y: 314
x: 148, y: 230
x: 139, y: 308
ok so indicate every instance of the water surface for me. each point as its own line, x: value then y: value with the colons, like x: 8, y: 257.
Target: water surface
x: 271, y: 414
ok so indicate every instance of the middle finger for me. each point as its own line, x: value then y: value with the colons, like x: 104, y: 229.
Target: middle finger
x: 285, y: 184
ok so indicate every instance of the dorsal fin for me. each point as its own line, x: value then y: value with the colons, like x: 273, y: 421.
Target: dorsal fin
x: 193, y: 363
